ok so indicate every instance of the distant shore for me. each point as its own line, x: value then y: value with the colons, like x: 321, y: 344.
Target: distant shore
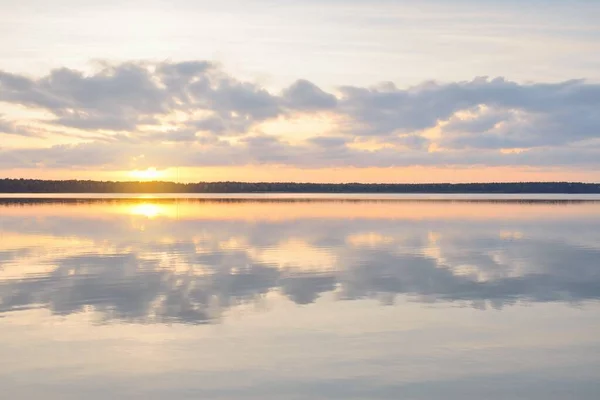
x: 88, y: 186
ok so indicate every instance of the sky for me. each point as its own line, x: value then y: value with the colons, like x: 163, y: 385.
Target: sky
x: 325, y: 91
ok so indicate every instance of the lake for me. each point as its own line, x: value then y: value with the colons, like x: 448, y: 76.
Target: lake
x: 300, y: 297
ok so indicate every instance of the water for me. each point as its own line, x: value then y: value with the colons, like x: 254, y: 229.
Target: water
x: 327, y: 297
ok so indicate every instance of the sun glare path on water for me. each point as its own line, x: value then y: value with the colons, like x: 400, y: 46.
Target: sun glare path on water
x: 148, y: 210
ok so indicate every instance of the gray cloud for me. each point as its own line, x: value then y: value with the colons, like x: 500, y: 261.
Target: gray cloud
x: 567, y: 106
x: 114, y: 98
x: 306, y: 96
x: 13, y: 128
x: 270, y: 150
x: 120, y: 97
x: 6, y: 126
x: 557, y: 122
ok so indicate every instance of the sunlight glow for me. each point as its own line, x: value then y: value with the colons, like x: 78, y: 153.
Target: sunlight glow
x: 148, y: 174
x: 146, y: 209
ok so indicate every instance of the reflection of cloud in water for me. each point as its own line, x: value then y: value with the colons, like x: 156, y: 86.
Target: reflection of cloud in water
x: 193, y: 271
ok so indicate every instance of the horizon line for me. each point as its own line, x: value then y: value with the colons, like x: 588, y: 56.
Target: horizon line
x: 302, y: 182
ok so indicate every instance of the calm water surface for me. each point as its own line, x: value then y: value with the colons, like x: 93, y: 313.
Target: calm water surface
x: 288, y: 298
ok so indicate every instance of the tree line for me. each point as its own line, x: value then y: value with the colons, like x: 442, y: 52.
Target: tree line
x: 89, y: 186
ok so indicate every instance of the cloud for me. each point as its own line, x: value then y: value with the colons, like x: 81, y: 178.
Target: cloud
x: 6, y: 126
x: 121, y: 97
x: 193, y: 108
x: 12, y: 128
x: 270, y: 150
x: 115, y: 98
x: 306, y: 96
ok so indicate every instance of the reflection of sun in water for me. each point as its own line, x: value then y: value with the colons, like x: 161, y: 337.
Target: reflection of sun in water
x: 147, y: 174
x: 146, y: 209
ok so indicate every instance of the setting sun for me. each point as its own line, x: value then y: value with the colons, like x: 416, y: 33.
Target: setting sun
x: 147, y: 174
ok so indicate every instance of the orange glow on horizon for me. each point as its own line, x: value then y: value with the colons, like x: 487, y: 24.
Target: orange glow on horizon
x: 270, y: 173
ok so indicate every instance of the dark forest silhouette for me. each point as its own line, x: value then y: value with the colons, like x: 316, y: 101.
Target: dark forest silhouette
x: 88, y: 186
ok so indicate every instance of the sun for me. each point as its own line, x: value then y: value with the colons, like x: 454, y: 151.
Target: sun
x: 147, y: 174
